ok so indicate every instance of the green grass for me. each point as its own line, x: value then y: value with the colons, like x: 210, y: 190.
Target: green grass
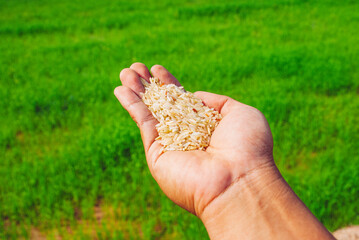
x: 66, y: 145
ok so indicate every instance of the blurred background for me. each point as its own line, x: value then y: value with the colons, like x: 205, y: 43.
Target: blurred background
x: 72, y: 164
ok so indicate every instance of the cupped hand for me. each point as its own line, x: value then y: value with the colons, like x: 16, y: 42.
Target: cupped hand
x: 241, y: 144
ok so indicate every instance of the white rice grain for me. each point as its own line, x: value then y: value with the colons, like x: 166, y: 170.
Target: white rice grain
x: 185, y: 123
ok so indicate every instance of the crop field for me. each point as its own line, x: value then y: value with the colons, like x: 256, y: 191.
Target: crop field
x: 72, y: 165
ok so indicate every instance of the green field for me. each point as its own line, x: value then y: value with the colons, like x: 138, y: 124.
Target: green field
x: 71, y: 159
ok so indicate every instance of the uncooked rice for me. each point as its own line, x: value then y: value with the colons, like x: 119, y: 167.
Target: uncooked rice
x: 185, y: 123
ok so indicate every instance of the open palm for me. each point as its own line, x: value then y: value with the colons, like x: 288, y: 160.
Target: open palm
x: 241, y: 143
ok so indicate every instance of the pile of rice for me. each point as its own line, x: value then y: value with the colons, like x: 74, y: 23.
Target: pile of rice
x: 184, y: 122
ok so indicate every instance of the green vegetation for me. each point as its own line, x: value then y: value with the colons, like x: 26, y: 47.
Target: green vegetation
x: 71, y: 159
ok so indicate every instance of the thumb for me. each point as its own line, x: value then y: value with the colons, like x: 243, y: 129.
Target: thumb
x: 220, y: 103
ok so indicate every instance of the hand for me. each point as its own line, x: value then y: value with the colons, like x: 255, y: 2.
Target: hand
x: 241, y: 143
x: 234, y: 186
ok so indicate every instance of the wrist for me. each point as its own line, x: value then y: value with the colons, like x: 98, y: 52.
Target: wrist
x: 261, y: 205
x: 235, y: 210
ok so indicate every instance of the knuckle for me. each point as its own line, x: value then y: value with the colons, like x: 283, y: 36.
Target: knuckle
x: 257, y: 112
x: 145, y: 120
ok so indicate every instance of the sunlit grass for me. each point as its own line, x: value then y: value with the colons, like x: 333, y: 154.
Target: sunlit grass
x: 67, y: 146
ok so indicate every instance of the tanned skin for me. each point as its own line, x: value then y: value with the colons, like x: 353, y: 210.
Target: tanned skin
x: 234, y: 186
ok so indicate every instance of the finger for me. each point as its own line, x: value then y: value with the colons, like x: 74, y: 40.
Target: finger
x: 164, y: 75
x: 220, y: 103
x: 139, y: 113
x: 141, y: 70
x: 130, y: 78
